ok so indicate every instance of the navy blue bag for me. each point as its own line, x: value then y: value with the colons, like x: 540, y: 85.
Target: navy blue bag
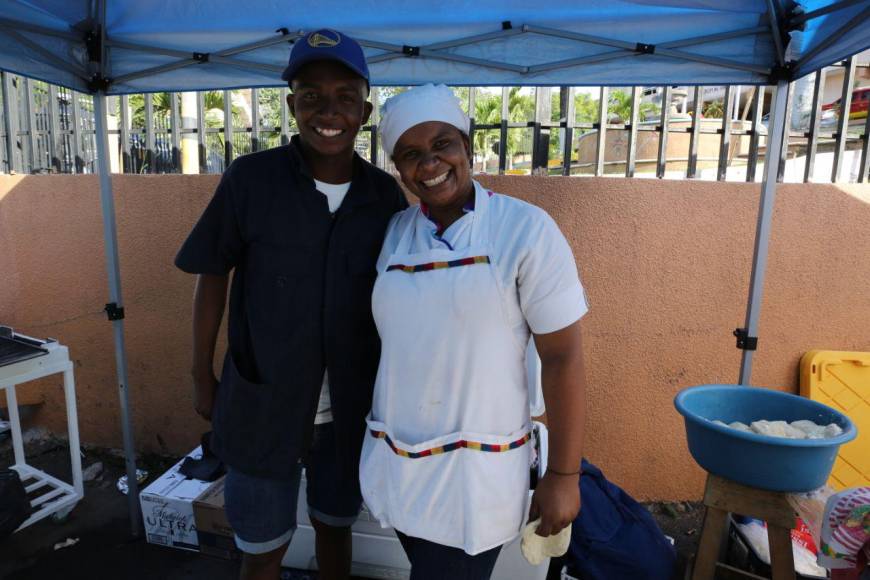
x: 614, y: 537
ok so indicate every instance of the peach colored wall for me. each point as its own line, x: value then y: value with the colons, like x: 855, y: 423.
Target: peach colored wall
x: 666, y: 266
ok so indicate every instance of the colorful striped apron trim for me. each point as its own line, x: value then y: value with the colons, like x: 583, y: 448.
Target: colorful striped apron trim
x: 461, y: 444
x: 439, y: 265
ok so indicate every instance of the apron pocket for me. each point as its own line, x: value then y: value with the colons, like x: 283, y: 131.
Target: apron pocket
x: 466, y: 490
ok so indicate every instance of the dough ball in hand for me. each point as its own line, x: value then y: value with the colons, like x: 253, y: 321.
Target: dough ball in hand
x: 537, y: 548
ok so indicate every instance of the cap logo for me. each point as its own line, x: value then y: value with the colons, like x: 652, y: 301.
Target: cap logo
x: 322, y: 39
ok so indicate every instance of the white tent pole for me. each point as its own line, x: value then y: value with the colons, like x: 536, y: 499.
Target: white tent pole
x: 775, y: 135
x: 107, y: 201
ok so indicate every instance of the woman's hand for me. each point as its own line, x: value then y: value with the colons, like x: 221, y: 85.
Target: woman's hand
x: 556, y: 501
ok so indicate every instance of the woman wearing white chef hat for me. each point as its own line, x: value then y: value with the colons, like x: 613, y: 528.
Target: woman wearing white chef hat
x: 463, y: 279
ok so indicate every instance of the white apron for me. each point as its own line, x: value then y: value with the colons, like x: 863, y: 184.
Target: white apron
x: 446, y: 455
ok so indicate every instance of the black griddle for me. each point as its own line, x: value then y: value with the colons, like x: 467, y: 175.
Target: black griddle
x: 15, y: 348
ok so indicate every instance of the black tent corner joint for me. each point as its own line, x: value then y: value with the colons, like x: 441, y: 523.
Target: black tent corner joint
x: 99, y: 83
x: 783, y: 72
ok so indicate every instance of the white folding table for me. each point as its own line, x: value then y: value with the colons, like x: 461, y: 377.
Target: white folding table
x: 47, y: 494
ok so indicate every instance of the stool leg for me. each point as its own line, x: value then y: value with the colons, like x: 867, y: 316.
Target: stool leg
x: 781, y: 555
x: 15, y: 425
x: 72, y: 422
x: 710, y: 545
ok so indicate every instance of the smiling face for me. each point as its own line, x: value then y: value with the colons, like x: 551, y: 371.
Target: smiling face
x: 329, y: 104
x: 433, y: 160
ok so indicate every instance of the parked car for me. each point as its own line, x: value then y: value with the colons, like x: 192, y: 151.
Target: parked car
x: 859, y: 106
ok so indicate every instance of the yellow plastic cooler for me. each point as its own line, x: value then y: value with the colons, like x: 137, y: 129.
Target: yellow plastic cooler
x: 842, y: 380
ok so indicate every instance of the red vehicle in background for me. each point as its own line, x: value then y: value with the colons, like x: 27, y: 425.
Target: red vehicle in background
x: 859, y: 107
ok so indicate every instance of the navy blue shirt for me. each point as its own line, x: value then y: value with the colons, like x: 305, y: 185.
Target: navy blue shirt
x: 300, y: 302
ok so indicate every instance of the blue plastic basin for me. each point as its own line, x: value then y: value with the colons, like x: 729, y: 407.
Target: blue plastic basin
x: 760, y: 461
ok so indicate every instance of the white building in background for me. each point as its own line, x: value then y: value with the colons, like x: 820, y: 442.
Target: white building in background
x: 683, y: 98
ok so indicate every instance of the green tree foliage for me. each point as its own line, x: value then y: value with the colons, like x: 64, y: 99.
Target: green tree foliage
x: 213, y: 105
x: 619, y: 107
x: 713, y: 110
x: 487, y: 109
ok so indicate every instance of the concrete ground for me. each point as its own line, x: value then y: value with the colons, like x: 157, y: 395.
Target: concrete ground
x: 107, y: 550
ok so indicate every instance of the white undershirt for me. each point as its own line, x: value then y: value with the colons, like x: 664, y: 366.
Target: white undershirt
x: 334, y: 193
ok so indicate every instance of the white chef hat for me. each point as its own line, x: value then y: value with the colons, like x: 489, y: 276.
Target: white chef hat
x: 419, y: 105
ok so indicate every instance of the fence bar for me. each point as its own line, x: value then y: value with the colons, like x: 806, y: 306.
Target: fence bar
x: 175, y: 129
x: 4, y: 156
x: 150, y: 153
x: 783, y: 157
x: 662, y: 160
x: 228, y: 128
x: 601, y: 142
x: 725, y: 141
x: 255, y: 119
x: 536, y: 132
x: 632, y: 131
x: 10, y: 122
x: 76, y: 139
x: 503, y: 130
x: 472, y: 127
x: 755, y: 138
x: 285, y: 117
x: 566, y: 109
x: 54, y: 147
x: 694, y: 137
x: 124, y: 129
x: 31, y: 124
x: 200, y: 132
x: 375, y: 121
x: 540, y: 136
x: 843, y: 122
x: 815, y: 120
x: 864, y: 169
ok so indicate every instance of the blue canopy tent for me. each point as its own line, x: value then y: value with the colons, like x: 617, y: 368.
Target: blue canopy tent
x: 124, y: 46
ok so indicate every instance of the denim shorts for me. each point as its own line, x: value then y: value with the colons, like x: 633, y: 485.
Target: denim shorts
x: 262, y: 511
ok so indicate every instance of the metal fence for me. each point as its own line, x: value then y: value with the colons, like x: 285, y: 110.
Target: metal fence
x: 715, y: 133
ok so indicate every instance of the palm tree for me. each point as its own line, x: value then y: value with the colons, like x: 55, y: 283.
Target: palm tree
x: 619, y: 106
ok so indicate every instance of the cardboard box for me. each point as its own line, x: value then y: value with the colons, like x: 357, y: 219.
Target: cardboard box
x: 167, y: 508
x: 212, y: 527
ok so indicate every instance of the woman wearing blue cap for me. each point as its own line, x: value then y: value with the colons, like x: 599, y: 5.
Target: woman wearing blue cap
x: 464, y: 279
x: 300, y: 226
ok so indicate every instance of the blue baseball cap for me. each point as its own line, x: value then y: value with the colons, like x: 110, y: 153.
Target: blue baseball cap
x: 326, y: 44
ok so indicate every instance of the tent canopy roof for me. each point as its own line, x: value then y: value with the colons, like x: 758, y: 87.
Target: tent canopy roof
x: 166, y: 45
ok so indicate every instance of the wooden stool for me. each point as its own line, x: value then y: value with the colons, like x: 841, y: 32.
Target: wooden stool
x: 724, y: 496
